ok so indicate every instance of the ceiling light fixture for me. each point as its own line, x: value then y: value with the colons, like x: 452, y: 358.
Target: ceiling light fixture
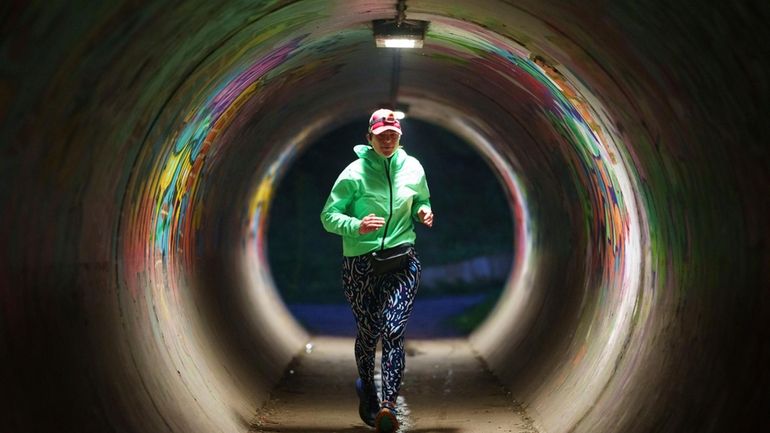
x: 399, y: 32
x: 388, y: 34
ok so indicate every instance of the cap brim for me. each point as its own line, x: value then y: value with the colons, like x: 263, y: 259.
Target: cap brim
x: 381, y: 129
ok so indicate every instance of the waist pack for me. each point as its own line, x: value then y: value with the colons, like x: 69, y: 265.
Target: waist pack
x: 391, y: 259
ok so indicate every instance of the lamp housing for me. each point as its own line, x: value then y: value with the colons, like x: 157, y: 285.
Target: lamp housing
x: 392, y: 34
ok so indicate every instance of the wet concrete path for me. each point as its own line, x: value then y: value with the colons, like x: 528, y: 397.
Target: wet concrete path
x: 446, y: 390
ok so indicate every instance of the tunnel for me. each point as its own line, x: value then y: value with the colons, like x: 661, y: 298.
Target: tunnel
x: 142, y: 143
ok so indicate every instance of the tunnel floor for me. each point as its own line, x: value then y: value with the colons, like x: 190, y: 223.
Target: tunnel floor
x: 446, y: 389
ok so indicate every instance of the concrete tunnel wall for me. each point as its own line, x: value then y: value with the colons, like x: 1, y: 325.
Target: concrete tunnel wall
x: 141, y: 144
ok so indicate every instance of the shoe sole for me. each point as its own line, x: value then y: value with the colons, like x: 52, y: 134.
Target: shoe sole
x: 386, y: 421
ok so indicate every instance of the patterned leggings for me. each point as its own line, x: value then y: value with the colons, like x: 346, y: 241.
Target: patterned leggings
x: 381, y: 305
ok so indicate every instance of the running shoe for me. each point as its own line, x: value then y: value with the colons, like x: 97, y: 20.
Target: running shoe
x: 368, y: 405
x: 386, y: 421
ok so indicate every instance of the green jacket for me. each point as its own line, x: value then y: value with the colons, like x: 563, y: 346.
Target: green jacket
x: 394, y: 188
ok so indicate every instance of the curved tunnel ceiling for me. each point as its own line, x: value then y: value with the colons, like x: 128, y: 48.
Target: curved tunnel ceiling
x: 142, y: 146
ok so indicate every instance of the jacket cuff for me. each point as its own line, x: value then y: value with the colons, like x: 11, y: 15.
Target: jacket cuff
x: 355, y: 226
x: 416, y: 213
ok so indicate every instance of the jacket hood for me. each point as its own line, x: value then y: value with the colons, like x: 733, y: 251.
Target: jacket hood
x: 367, y: 152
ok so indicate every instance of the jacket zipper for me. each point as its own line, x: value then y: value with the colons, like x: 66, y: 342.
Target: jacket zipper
x: 390, y: 215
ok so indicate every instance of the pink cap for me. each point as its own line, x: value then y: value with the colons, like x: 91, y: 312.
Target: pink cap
x: 382, y: 120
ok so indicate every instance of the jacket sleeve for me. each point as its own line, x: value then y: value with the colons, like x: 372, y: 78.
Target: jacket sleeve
x: 333, y: 216
x: 422, y: 199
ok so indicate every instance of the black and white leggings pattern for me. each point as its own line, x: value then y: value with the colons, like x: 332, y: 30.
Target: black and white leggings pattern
x: 381, y: 305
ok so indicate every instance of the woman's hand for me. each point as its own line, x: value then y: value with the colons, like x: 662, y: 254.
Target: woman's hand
x: 426, y: 217
x: 371, y: 223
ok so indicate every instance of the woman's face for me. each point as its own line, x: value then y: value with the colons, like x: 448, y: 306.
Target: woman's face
x: 385, y: 143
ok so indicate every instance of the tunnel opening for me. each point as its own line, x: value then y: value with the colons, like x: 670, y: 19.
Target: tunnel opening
x: 466, y: 259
